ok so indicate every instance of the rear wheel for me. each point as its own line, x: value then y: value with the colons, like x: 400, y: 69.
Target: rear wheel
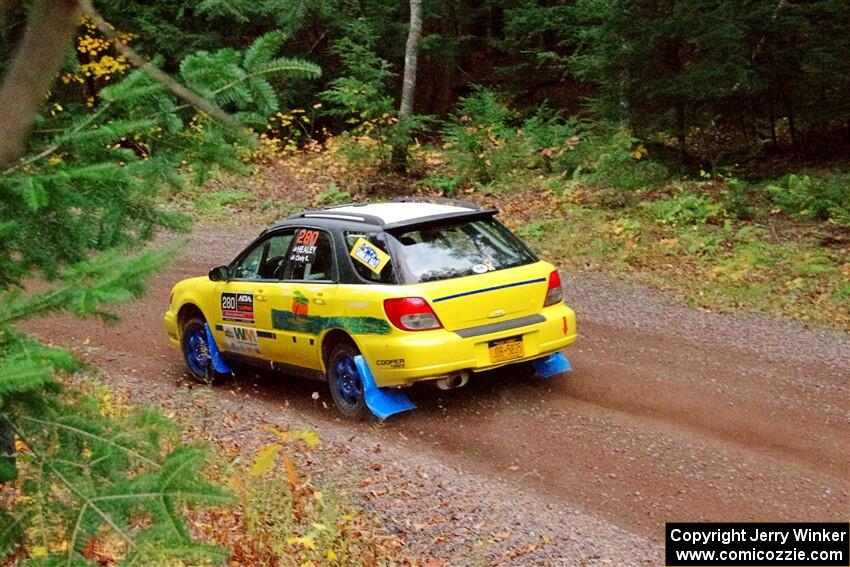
x: 345, y: 383
x: 196, y: 351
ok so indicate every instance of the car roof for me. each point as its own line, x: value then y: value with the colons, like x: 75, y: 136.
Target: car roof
x: 390, y: 215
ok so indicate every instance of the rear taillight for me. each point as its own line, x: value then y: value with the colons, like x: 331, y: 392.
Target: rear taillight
x: 411, y: 314
x: 554, y: 294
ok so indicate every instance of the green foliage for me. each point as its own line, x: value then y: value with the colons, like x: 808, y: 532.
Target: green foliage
x: 485, y: 143
x: 216, y: 203
x: 91, y: 475
x: 738, y: 200
x: 447, y: 186
x: 240, y: 82
x: 481, y: 144
x: 75, y: 212
x: 617, y: 160
x: 686, y: 209
x: 359, y: 95
x: 333, y: 195
x: 532, y: 231
x: 824, y: 199
x: 718, y: 72
x: 557, y: 142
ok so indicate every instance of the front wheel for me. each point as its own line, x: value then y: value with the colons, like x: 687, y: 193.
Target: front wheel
x: 345, y: 383
x: 196, y: 351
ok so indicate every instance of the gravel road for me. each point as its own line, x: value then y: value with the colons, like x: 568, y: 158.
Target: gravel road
x: 671, y: 414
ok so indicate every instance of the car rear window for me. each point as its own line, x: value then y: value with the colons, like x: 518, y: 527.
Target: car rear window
x: 460, y: 249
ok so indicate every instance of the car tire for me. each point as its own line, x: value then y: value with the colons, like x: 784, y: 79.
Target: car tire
x: 344, y: 382
x: 196, y: 352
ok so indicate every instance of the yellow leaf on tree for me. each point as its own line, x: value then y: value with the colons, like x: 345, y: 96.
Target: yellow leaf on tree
x: 332, y: 556
x: 266, y: 460
x: 38, y: 551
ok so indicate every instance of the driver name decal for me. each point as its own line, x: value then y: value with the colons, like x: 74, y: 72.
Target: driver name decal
x: 304, y: 248
x: 237, y: 307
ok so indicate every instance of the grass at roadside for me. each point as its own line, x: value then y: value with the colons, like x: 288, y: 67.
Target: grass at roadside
x: 723, y: 266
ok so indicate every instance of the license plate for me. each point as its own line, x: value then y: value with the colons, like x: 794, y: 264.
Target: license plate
x: 506, y: 349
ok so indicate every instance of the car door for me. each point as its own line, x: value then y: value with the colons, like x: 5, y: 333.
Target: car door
x: 304, y: 305
x: 243, y: 322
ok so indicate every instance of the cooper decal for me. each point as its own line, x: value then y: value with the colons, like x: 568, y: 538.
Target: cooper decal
x: 391, y: 363
x: 237, y: 307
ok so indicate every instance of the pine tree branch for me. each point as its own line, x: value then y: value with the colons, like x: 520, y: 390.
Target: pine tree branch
x: 87, y: 502
x: 158, y: 75
x: 98, y: 438
x: 55, y: 146
x: 188, y: 495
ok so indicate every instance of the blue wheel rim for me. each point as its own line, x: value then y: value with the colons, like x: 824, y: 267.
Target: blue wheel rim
x: 349, y: 386
x: 197, y: 352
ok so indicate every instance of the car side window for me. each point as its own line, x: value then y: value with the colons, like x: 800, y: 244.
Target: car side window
x: 266, y: 260
x: 311, y: 257
x: 387, y: 273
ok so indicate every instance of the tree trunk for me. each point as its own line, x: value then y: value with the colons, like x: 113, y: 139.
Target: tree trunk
x: 38, y: 57
x: 408, y: 89
x: 681, y: 132
x: 411, y: 57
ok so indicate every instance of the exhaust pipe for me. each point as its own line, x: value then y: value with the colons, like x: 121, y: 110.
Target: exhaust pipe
x: 452, y: 381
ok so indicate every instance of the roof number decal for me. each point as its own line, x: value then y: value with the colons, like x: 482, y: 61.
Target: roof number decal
x: 369, y: 255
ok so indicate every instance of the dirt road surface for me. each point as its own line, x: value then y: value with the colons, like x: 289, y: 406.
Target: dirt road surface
x: 671, y: 414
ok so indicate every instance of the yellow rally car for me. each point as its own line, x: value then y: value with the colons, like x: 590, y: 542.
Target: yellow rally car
x: 376, y: 297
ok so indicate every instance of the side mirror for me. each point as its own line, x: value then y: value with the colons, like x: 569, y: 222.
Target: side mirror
x: 218, y: 274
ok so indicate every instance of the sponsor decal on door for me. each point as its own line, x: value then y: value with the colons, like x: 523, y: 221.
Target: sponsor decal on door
x: 241, y: 339
x: 237, y: 307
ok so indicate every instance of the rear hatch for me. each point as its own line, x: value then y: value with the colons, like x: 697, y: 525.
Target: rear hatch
x: 493, y: 297
x: 473, y: 272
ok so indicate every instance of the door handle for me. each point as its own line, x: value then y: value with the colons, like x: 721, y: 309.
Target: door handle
x: 260, y: 295
x: 318, y: 301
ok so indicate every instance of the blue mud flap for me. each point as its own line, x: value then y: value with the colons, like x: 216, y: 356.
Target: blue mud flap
x: 382, y: 402
x: 551, y: 365
x: 215, y: 356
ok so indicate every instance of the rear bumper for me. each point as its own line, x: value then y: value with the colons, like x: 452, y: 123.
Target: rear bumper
x: 404, y: 358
